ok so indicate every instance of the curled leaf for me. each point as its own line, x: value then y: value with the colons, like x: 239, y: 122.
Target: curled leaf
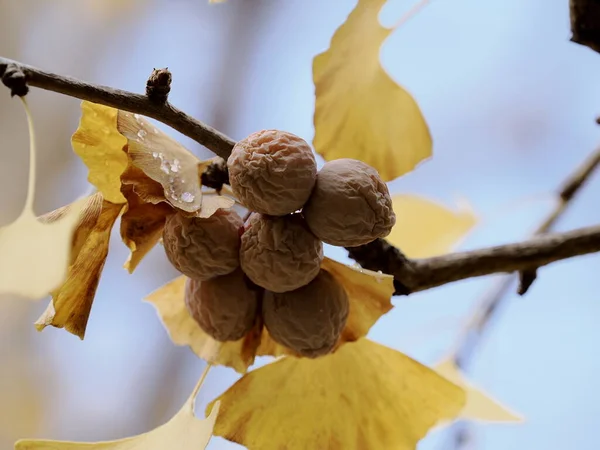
x: 71, y: 302
x: 141, y: 226
x: 364, y: 396
x: 164, y: 160
x: 480, y: 406
x: 183, y: 432
x: 100, y: 146
x: 360, y: 112
x: 183, y: 330
x: 425, y: 228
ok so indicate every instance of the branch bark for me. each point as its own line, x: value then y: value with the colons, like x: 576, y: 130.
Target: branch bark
x: 410, y: 275
x: 166, y: 113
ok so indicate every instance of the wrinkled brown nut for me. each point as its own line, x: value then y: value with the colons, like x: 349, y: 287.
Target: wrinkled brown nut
x: 280, y: 253
x: 272, y: 172
x: 350, y: 204
x: 203, y: 248
x: 225, y: 307
x: 308, y: 320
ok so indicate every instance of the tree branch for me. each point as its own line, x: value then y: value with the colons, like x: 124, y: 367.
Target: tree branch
x: 421, y: 274
x: 410, y: 275
x: 166, y: 113
x: 487, y: 308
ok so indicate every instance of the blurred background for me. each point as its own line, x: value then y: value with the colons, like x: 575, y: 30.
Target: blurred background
x: 511, y: 104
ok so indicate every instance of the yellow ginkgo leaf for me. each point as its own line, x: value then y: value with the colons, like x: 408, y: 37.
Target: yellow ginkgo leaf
x: 34, y: 256
x: 364, y: 396
x: 183, y: 432
x: 425, y: 228
x: 360, y: 112
x: 71, y: 303
x: 100, y: 146
x: 480, y: 406
x: 369, y: 293
x: 183, y: 330
x: 164, y: 160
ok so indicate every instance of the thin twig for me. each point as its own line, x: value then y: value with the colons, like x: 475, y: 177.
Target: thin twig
x: 412, y: 12
x: 490, y: 304
x: 410, y: 275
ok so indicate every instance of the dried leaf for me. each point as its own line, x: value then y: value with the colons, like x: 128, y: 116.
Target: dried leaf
x: 141, y: 226
x: 360, y: 112
x: 480, y: 406
x: 364, y: 396
x: 71, y: 303
x: 147, y: 189
x: 100, y: 146
x: 183, y: 432
x: 425, y: 228
x: 164, y: 160
x: 183, y: 330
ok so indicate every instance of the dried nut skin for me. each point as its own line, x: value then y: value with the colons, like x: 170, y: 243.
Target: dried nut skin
x: 350, y: 204
x: 203, y: 248
x: 225, y: 307
x: 308, y: 320
x: 272, y: 172
x: 280, y: 253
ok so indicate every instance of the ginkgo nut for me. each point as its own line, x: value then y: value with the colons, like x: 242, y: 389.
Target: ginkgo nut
x: 280, y: 253
x: 272, y: 172
x: 350, y: 204
x: 203, y: 248
x: 224, y: 307
x: 309, y: 320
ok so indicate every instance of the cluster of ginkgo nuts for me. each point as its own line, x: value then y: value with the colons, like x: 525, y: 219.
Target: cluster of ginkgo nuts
x: 269, y: 268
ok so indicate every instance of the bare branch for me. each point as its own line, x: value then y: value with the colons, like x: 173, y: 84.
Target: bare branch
x: 127, y: 101
x: 421, y: 274
x: 410, y: 275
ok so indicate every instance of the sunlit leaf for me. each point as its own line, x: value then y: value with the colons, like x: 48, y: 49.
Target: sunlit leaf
x: 360, y: 112
x: 369, y: 293
x: 425, y: 228
x: 364, y: 396
x: 480, y: 406
x: 141, y: 226
x: 164, y: 160
x: 100, y: 146
x: 35, y: 256
x: 71, y: 303
x: 183, y: 330
x: 183, y: 432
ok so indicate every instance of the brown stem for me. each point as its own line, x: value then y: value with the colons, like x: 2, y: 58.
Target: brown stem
x: 166, y: 113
